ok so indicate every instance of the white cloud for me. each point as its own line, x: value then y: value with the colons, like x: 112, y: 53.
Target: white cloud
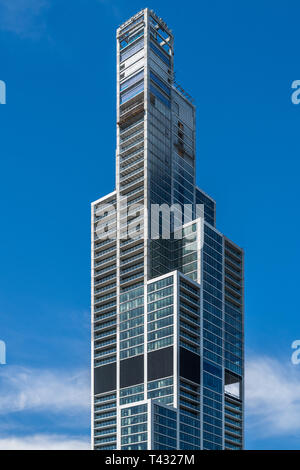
x: 23, y: 17
x: 272, y: 400
x: 45, y: 442
x: 272, y: 397
x: 43, y: 390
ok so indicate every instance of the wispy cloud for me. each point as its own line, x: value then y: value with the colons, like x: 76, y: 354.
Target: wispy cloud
x: 24, y: 389
x: 272, y: 401
x: 272, y: 397
x: 45, y: 442
x: 23, y: 17
x: 29, y: 396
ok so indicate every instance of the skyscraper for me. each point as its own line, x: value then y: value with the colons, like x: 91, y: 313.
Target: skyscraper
x: 167, y: 308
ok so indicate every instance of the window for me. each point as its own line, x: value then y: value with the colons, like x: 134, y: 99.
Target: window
x: 160, y: 96
x: 232, y: 385
x: 130, y: 51
x: 212, y: 382
x: 152, y: 99
x: 160, y: 83
x: 132, y: 80
x: 129, y: 39
x: 176, y: 107
x: 127, y: 95
x: 212, y: 368
x: 160, y: 54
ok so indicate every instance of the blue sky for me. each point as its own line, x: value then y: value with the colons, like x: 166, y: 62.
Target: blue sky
x: 238, y: 60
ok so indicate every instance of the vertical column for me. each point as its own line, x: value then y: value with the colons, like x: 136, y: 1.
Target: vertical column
x: 146, y: 193
x: 201, y: 352
x: 92, y: 326
x: 223, y: 342
x: 176, y: 351
x: 118, y: 249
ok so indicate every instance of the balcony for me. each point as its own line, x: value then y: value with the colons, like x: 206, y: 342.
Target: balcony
x: 131, y: 138
x: 105, y: 325
x: 231, y: 298
x: 235, y: 253
x: 109, y: 202
x: 132, y: 242
x: 130, y: 110
x: 183, y: 343
x: 126, y: 261
x: 232, y: 278
x: 102, y: 244
x: 132, y: 157
x: 105, y: 334
x: 133, y: 220
x: 193, y: 340
x: 105, y: 307
x: 103, y: 344
x: 232, y: 288
x: 126, y: 150
x: 102, y: 362
x: 190, y: 328
x: 104, y: 298
x: 191, y: 301
x: 134, y: 249
x: 105, y: 280
x: 131, y: 279
x: 103, y: 271
x: 235, y: 263
x: 108, y: 225
x: 99, y: 234
x: 130, y: 176
x: 234, y: 269
x: 104, y: 261
x: 134, y: 192
x: 189, y: 308
x: 108, y: 352
x: 104, y: 252
x: 190, y: 290
x: 132, y: 268
x: 105, y: 289
x: 129, y: 185
x: 193, y: 321
x: 127, y: 130
x: 105, y: 424
x: 125, y: 169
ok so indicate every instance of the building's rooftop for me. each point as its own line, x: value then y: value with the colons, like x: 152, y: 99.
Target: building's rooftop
x: 138, y: 15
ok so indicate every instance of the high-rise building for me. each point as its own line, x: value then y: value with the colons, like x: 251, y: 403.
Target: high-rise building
x: 167, y: 309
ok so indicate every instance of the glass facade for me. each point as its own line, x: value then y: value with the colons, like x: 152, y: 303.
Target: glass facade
x: 167, y: 305
x: 164, y: 428
x: 134, y: 434
x: 160, y: 314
